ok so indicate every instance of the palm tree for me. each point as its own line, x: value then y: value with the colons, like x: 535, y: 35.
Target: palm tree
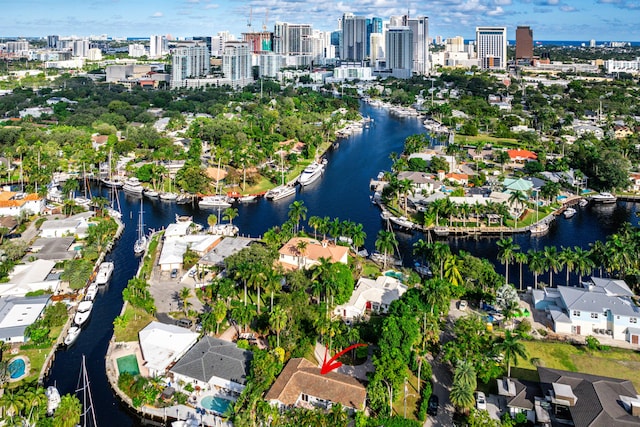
x: 518, y: 198
x: 521, y: 258
x: 243, y: 272
x: 439, y: 253
x: 421, y: 249
x: 229, y: 214
x: 301, y: 248
x: 219, y: 311
x: 315, y: 222
x: 506, y: 254
x: 536, y: 264
x: 358, y: 236
x: 512, y: 348
x: 278, y: 321
x: 465, y: 374
x: 452, y: 266
x: 437, y: 293
x: 584, y: 264
x: 297, y: 212
x: 552, y: 263
x: 385, y: 243
x: 212, y: 220
x: 568, y: 258
x: 256, y: 279
x: 509, y: 311
x: 404, y: 187
x: 462, y: 397
x: 184, y: 295
x: 68, y: 412
x: 12, y: 403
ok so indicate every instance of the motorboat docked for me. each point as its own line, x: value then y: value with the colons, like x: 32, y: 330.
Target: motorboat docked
x: 53, y: 399
x: 168, y: 196
x: 385, y: 214
x: 402, y: 222
x: 311, y: 173
x: 539, y: 228
x: 104, y: 273
x: 281, y: 192
x: 83, y: 313
x: 72, y: 334
x: 149, y: 192
x: 569, y: 212
x: 82, y: 201
x: 441, y: 230
x: 132, y: 186
x: 422, y: 270
x: 112, y: 182
x: 248, y: 198
x: 583, y: 202
x: 225, y: 230
x: 215, y: 201
x: 183, y: 199
x: 603, y: 198
x: 380, y: 258
x: 91, y: 292
x: 141, y: 242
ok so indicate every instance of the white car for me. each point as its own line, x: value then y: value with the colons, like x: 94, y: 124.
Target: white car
x: 462, y: 305
x: 481, y: 401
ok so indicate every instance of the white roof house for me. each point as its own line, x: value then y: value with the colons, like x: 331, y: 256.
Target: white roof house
x: 376, y: 295
x: 30, y: 277
x: 163, y: 344
x: 601, y: 307
x: 174, y: 248
x: 17, y: 313
x: 75, y: 225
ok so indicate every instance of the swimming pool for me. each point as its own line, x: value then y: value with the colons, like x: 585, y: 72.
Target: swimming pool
x: 128, y: 364
x: 17, y: 368
x: 215, y: 404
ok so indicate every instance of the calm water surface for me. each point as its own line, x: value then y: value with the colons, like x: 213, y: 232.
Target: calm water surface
x: 342, y: 192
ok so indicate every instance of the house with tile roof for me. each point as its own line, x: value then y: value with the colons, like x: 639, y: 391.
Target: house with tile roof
x: 371, y: 295
x: 15, y: 204
x: 300, y: 384
x: 293, y: 258
x: 521, y: 156
x: 601, y: 306
x: 213, y: 363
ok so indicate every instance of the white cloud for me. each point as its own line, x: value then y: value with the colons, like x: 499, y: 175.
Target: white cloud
x: 157, y: 15
x: 496, y: 12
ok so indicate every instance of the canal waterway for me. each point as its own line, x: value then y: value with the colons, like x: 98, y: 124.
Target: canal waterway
x: 342, y: 192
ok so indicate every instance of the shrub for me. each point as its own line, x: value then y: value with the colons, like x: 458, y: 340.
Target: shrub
x: 592, y: 343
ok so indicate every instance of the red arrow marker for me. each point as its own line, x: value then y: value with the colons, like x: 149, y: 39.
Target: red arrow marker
x: 328, y: 366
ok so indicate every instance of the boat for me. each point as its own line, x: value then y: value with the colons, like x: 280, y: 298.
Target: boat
x: 583, y: 202
x: 402, y: 222
x: 225, y: 230
x: 168, y: 196
x: 149, y: 192
x: 72, y: 334
x: 215, y: 201
x: 112, y: 182
x: 132, y: 186
x: 104, y: 273
x: 422, y: 270
x: 380, y: 258
x: 91, y: 292
x: 83, y: 313
x: 385, y: 214
x: 53, y: 399
x: 539, y: 228
x: 88, y: 415
x: 82, y: 201
x: 603, y: 197
x: 140, y: 244
x: 281, y: 192
x: 184, y: 198
x: 311, y: 173
x: 569, y: 212
x: 441, y: 230
x: 248, y: 198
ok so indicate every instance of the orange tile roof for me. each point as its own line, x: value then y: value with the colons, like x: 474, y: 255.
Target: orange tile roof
x: 314, y: 250
x: 522, y: 154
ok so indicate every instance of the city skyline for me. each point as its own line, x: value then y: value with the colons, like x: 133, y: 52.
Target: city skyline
x: 603, y: 20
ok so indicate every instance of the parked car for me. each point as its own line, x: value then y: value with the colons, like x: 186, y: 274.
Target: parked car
x: 174, y: 273
x: 432, y: 407
x: 481, y: 401
x: 462, y: 305
x: 184, y: 323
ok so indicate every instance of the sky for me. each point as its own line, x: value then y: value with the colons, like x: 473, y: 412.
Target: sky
x: 603, y: 20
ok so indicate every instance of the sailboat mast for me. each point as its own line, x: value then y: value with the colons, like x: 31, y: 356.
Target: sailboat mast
x: 88, y: 415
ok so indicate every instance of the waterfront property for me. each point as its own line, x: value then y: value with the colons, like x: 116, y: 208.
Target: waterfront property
x: 293, y: 255
x: 31, y: 277
x: 214, y: 364
x: 371, y: 295
x: 18, y: 368
x: 16, y: 204
x: 18, y: 313
x: 76, y: 225
x: 300, y: 384
x: 162, y: 345
x: 602, y: 307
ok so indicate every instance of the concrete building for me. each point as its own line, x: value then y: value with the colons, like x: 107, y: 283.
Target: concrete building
x: 353, y: 47
x: 613, y: 66
x: 236, y: 63
x: 524, y: 44
x: 492, y: 47
x: 420, y: 28
x: 454, y: 44
x: 376, y: 41
x: 270, y: 64
x: 136, y: 50
x: 189, y: 62
x: 259, y: 42
x: 17, y: 314
x: 158, y: 46
x: 163, y: 345
x: 399, y: 43
x: 80, y: 48
x: 292, y: 39
x: 52, y: 41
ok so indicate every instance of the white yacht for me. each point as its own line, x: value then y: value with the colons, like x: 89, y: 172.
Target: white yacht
x: 402, y: 222
x: 104, y: 273
x: 216, y: 201
x: 91, y: 292
x: 225, y: 230
x: 441, y: 230
x: 141, y: 242
x: 603, y: 198
x: 311, y: 173
x: 184, y: 198
x: 248, y: 198
x: 53, y: 399
x: 539, y: 228
x: 113, y: 182
x: 569, y: 212
x: 168, y: 196
x: 83, y: 313
x: 132, y: 186
x: 281, y: 192
x: 150, y: 192
x: 72, y: 334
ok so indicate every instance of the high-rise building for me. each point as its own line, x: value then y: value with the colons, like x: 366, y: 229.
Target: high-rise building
x: 158, y: 46
x: 377, y: 47
x: 420, y: 28
x: 52, y: 41
x: 524, y: 43
x: 455, y: 44
x: 292, y: 39
x: 259, y: 42
x: 374, y: 26
x: 80, y: 48
x: 189, y: 61
x: 236, y: 63
x: 399, y: 45
x: 218, y: 42
x: 492, y: 47
x: 353, y: 47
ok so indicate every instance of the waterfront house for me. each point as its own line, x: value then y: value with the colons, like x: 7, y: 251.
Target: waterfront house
x: 31, y: 277
x: 213, y: 363
x: 300, y: 384
x: 162, y: 345
x: 293, y: 257
x: 634, y: 179
x: 371, y: 295
x: 77, y: 225
x: 601, y: 307
x: 17, y: 313
x: 15, y: 204
x: 420, y: 181
x: 174, y: 248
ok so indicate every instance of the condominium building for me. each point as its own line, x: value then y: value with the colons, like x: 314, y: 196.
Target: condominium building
x: 292, y: 39
x: 158, y: 46
x: 353, y: 46
x: 80, y: 48
x: 419, y: 26
x: 236, y: 63
x: 189, y: 61
x: 399, y: 43
x: 524, y: 43
x: 492, y: 47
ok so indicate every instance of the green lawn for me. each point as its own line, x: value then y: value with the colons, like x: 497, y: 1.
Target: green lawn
x: 615, y: 363
x: 137, y: 319
x: 465, y: 139
x: 412, y: 398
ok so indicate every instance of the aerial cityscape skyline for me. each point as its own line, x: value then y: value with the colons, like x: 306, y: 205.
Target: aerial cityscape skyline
x: 552, y: 19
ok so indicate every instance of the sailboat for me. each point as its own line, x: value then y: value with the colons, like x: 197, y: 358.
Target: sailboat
x: 88, y: 415
x: 141, y: 242
x: 168, y: 196
x: 283, y: 190
x: 539, y: 227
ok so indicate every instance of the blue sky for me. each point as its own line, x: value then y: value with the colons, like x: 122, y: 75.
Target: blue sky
x: 550, y: 19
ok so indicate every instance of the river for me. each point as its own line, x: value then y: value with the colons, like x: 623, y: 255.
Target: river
x: 342, y: 192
